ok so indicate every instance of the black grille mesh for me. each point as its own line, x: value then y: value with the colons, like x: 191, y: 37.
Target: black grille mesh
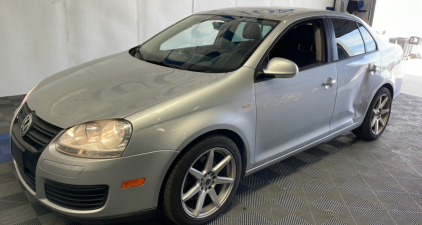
x: 78, y: 197
x: 29, y: 178
x: 34, y: 141
x: 40, y: 133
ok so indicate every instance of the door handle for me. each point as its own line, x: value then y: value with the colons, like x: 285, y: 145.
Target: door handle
x: 372, y: 68
x: 329, y: 83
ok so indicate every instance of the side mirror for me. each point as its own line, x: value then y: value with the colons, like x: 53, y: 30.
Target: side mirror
x: 281, y: 68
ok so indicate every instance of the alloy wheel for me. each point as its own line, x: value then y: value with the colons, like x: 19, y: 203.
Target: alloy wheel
x: 208, y: 183
x: 380, y: 114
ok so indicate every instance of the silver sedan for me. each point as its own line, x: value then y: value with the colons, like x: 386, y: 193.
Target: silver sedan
x: 178, y: 120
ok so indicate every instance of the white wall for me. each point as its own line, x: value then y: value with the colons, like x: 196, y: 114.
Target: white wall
x: 41, y: 37
x: 399, y: 18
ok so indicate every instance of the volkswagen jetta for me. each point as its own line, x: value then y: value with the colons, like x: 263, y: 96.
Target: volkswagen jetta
x: 177, y: 121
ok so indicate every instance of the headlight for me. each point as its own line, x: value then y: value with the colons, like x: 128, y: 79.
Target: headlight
x: 98, y: 139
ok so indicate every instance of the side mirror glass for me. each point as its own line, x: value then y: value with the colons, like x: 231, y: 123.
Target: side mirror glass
x: 281, y: 68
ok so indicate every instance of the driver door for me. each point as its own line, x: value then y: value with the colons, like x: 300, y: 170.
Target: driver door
x: 294, y: 112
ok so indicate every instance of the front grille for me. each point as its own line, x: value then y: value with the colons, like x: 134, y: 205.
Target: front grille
x: 78, y: 197
x: 30, y: 146
x: 40, y: 133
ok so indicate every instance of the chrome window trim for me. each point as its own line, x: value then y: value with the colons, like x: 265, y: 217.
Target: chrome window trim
x: 335, y: 53
x: 376, y: 44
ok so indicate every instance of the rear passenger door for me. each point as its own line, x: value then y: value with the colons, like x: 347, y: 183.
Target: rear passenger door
x: 357, y: 60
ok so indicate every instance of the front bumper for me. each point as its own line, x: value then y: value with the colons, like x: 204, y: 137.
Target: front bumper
x: 140, y: 200
x: 129, y: 217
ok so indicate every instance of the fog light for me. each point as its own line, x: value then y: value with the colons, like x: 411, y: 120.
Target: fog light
x: 133, y: 183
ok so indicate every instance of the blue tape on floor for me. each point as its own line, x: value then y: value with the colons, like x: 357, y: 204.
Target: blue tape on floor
x: 5, y: 153
x: 4, y: 136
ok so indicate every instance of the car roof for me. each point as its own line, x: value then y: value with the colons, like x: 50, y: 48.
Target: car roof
x: 273, y: 13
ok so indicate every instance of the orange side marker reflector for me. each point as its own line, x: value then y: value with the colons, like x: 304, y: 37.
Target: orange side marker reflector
x: 133, y: 183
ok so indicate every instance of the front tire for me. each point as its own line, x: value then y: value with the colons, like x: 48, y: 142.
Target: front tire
x: 377, y: 117
x: 203, y: 181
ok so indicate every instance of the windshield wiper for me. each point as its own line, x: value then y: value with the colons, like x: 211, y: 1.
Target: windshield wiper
x: 162, y: 63
x: 136, y: 52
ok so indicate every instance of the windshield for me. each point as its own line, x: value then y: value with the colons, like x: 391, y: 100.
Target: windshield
x: 206, y: 43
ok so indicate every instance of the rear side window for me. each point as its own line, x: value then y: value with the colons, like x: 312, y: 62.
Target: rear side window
x: 348, y: 38
x: 369, y: 41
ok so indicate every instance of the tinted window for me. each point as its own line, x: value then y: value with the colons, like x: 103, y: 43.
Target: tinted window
x: 206, y: 43
x: 369, y: 41
x: 349, y: 40
x: 303, y: 44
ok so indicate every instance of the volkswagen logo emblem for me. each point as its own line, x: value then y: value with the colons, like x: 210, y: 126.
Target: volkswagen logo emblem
x: 26, y: 124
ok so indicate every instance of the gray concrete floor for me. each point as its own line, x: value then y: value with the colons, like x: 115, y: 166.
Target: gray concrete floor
x: 8, y: 106
x: 412, y: 85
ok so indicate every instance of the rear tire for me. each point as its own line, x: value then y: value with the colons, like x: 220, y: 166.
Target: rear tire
x: 203, y: 181
x: 377, y: 116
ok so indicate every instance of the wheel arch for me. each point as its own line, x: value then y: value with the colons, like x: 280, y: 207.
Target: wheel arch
x: 234, y: 136
x: 237, y: 138
x: 361, y: 131
x: 389, y: 87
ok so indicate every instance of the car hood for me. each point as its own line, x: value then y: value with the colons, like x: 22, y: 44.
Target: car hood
x: 111, y: 87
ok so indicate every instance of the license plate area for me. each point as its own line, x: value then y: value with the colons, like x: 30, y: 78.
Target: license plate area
x: 26, y: 163
x: 30, y: 161
x: 18, y: 155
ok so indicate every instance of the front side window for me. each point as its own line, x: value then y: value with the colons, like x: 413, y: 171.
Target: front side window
x: 348, y: 38
x: 304, y: 44
x: 206, y: 43
x: 369, y: 41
